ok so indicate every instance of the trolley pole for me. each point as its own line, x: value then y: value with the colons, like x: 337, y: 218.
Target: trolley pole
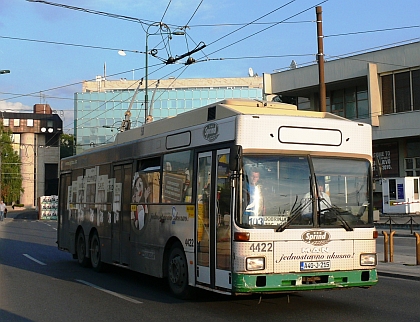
x: 320, y: 59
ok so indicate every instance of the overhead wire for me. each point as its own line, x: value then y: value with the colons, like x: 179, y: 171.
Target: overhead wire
x: 69, y: 44
x: 255, y: 20
x: 264, y: 29
x: 370, y: 31
x: 167, y: 7
x: 254, y: 23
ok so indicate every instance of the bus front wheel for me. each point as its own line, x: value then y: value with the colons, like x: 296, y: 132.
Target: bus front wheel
x: 178, y: 272
x: 81, y: 249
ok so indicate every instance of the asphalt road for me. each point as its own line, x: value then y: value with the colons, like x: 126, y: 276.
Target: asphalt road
x: 40, y: 283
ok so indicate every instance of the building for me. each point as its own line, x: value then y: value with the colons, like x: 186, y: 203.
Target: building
x: 100, y: 107
x: 381, y: 88
x: 35, y: 137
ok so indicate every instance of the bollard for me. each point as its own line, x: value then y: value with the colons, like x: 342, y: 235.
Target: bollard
x: 391, y: 247
x: 385, y: 246
x: 417, y: 248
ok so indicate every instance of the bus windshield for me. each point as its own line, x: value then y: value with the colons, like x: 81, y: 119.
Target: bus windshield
x: 282, y: 191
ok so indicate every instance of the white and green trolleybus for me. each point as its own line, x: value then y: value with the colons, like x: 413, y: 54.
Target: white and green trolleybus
x: 237, y: 197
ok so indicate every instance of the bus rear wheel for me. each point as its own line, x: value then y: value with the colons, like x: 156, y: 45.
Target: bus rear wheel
x: 95, y: 253
x: 81, y: 249
x: 178, y: 273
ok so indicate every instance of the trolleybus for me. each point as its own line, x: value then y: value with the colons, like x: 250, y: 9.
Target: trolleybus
x: 237, y: 197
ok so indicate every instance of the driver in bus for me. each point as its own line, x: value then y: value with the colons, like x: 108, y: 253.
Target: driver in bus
x: 255, y: 199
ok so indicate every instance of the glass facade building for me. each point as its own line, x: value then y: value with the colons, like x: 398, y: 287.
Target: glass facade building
x: 100, y: 108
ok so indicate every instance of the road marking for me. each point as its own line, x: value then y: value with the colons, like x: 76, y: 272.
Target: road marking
x: 110, y: 292
x: 33, y: 259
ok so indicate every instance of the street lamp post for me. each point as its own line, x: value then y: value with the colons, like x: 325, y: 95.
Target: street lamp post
x: 2, y: 71
x: 167, y: 31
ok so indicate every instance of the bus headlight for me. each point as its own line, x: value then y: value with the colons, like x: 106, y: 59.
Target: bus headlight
x: 367, y: 259
x: 255, y: 263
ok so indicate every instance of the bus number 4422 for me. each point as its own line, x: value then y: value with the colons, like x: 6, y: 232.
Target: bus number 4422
x: 261, y: 247
x: 189, y: 242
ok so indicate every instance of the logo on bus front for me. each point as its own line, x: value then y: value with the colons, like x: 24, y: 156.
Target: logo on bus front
x: 211, y: 132
x: 316, y: 237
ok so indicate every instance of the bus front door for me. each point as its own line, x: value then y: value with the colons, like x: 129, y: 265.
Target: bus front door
x: 213, y: 242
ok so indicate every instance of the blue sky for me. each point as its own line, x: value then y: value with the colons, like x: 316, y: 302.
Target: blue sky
x: 33, y: 38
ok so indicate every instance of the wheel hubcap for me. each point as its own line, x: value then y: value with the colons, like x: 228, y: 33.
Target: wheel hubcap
x: 175, y: 271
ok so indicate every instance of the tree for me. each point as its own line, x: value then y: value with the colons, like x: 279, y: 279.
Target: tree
x: 67, y: 144
x: 11, y: 176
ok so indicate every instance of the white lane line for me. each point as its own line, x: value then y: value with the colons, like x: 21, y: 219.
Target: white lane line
x: 33, y: 259
x: 110, y: 292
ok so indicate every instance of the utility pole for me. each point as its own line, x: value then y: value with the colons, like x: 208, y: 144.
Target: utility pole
x: 320, y: 59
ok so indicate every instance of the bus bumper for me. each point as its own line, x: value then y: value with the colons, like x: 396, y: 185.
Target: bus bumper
x: 272, y: 283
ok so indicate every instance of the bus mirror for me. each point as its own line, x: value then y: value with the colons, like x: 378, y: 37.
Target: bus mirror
x: 235, y: 158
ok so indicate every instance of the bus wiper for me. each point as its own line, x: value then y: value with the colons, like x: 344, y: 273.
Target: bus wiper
x: 294, y: 214
x: 336, y: 211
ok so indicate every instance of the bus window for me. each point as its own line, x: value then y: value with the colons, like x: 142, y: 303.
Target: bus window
x: 273, y: 187
x: 148, y: 172
x: 177, y: 169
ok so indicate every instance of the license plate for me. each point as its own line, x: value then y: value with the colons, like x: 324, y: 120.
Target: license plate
x: 306, y: 266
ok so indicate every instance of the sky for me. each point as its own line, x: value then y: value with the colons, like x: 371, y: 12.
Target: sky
x: 51, y: 47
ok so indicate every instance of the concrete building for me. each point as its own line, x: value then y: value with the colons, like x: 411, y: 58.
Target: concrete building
x: 36, y: 139
x: 381, y: 88
x: 101, y: 106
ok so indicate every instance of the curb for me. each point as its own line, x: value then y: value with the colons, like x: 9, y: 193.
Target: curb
x: 402, y: 276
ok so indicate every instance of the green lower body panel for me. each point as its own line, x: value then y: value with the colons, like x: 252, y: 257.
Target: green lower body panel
x: 272, y: 283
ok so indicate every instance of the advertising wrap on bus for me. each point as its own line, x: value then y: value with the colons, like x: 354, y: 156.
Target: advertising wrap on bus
x: 203, y: 201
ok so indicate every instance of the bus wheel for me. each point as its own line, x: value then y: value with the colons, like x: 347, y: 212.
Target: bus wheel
x: 81, y: 249
x: 95, y: 253
x: 178, y: 272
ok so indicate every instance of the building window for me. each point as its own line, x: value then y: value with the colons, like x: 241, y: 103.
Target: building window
x: 351, y: 102
x: 412, y: 167
x: 16, y: 122
x: 415, y: 78
x: 387, y: 94
x: 337, y: 98
x: 29, y: 122
x: 303, y: 103
x: 401, y: 92
x: 6, y: 122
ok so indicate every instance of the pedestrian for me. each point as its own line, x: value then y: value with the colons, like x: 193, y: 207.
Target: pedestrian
x: 2, y: 209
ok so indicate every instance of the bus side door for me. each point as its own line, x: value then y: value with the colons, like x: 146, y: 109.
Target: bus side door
x: 121, y: 246
x: 213, y: 229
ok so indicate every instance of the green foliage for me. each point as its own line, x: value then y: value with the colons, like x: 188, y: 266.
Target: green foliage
x: 67, y: 143
x: 11, y: 177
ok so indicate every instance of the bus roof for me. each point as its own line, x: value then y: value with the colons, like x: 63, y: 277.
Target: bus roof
x: 217, y: 111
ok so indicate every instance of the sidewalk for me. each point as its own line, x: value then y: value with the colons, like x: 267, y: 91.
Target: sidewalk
x: 22, y: 213
x: 404, y: 264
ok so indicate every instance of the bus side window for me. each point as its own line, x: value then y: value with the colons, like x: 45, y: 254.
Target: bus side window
x: 177, y: 170
x: 149, y: 170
